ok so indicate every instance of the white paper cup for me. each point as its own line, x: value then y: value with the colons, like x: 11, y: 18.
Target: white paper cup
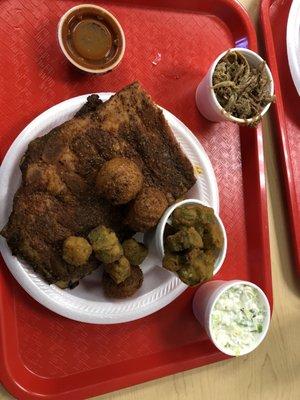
x: 205, y: 299
x: 160, y: 229
x: 206, y: 99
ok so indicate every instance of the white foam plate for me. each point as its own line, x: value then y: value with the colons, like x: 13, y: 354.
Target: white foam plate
x: 293, y: 43
x: 87, y: 303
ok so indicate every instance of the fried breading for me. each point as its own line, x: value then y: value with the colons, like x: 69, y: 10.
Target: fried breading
x: 58, y: 198
x: 124, y: 289
x: 119, y: 180
x: 146, y: 209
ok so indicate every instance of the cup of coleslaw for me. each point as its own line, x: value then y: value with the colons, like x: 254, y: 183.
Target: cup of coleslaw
x: 235, y: 314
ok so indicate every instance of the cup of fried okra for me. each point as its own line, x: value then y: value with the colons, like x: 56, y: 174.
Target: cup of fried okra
x: 191, y: 240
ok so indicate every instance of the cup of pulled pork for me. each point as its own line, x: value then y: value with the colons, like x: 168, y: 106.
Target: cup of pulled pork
x: 237, y: 87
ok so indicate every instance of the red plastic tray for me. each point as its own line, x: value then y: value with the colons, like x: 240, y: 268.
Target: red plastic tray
x: 45, y: 355
x: 274, y: 15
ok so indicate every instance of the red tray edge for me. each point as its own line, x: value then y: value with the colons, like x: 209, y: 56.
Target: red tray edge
x: 281, y: 133
x: 93, y: 389
x: 21, y: 392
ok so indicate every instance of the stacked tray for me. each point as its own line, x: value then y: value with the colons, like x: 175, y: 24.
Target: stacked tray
x: 274, y: 16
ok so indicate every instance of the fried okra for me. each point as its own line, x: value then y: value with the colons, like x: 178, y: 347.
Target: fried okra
x: 134, y: 251
x: 184, y: 216
x: 197, y: 268
x: 118, y: 270
x: 105, y: 244
x: 205, y: 214
x: 67, y: 284
x: 119, y: 180
x: 169, y: 230
x: 124, y: 289
x: 193, y: 249
x: 192, y: 215
x: 172, y: 262
x: 76, y: 250
x: 213, y: 237
x: 210, y: 256
x: 184, y: 239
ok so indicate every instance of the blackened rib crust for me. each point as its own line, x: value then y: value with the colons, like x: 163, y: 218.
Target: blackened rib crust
x: 92, y: 103
x: 57, y: 196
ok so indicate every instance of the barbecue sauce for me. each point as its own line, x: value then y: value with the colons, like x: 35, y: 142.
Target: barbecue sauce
x: 91, y: 38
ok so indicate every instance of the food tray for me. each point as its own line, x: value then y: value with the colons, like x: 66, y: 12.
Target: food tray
x: 274, y: 16
x: 45, y: 355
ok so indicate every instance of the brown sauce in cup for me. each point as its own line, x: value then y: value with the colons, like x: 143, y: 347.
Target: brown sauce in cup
x: 91, y: 38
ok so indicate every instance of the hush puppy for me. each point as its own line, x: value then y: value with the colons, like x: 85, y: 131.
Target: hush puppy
x: 146, y: 209
x: 119, y: 180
